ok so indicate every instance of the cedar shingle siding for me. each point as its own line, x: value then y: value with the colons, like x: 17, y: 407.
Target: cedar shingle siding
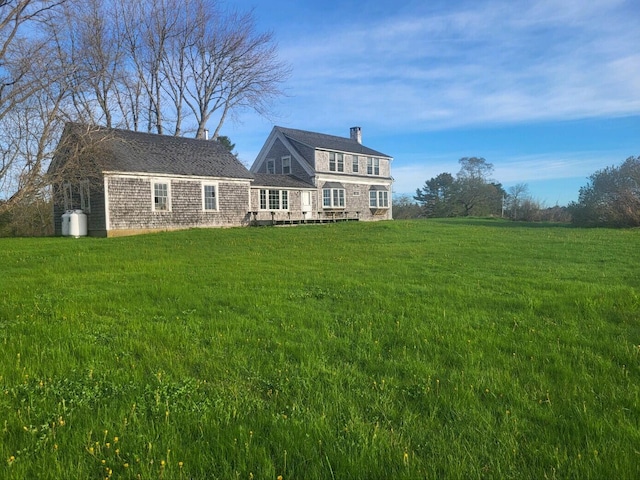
x: 131, y: 199
x: 124, y: 166
x: 310, y: 162
x: 130, y: 162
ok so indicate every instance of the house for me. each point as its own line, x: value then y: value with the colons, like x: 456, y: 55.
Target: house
x: 130, y: 182
x: 307, y: 176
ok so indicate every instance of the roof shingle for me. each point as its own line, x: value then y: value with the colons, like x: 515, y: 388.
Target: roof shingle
x: 138, y: 152
x: 282, y: 181
x: 329, y: 142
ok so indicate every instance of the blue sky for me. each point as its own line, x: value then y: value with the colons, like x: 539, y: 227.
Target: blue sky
x: 548, y: 91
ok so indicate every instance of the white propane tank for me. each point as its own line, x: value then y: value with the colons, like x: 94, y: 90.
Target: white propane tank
x: 66, y: 217
x: 78, y: 224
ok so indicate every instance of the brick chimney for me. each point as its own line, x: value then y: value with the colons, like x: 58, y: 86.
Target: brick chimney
x: 356, y: 134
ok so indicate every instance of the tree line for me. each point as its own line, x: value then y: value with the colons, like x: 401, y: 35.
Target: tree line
x: 611, y: 197
x: 171, y: 67
x: 473, y: 192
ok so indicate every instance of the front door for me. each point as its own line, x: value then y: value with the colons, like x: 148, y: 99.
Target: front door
x: 306, y: 201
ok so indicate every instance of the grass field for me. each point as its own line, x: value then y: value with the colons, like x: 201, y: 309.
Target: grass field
x: 409, y: 349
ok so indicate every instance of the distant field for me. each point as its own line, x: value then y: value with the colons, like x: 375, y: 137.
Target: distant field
x: 408, y: 349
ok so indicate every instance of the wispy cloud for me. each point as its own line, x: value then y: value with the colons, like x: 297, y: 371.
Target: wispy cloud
x: 541, y: 88
x: 494, y: 61
x: 517, y: 169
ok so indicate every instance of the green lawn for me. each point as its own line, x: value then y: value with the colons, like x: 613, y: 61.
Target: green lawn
x: 408, y: 349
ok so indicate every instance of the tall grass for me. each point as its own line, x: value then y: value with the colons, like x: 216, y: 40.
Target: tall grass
x: 426, y: 349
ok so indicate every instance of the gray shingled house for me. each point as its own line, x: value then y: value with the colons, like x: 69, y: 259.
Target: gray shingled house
x: 301, y: 175
x: 130, y: 182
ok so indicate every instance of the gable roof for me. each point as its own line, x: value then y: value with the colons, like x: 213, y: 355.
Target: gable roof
x: 137, y: 152
x: 328, y: 142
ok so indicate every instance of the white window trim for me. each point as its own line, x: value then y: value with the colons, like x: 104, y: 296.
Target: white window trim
x: 217, y: 197
x: 286, y: 159
x: 338, y: 162
x: 153, y: 195
x: 355, y: 162
x: 380, y: 199
x: 373, y: 166
x: 267, y: 196
x: 271, y: 165
x: 332, y: 197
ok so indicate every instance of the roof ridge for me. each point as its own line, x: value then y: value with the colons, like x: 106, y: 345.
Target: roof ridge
x: 98, y: 128
x: 326, y: 141
x: 317, y: 133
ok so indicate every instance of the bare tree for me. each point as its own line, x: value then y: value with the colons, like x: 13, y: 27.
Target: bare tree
x: 517, y: 195
x: 232, y: 66
x: 14, y: 65
x: 32, y: 92
x: 148, y: 27
x: 157, y: 65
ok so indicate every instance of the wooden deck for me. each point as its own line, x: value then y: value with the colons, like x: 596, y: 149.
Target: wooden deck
x: 327, y: 218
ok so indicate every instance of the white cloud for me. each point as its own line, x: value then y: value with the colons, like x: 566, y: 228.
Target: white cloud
x: 491, y: 62
x: 465, y: 68
x: 508, y: 171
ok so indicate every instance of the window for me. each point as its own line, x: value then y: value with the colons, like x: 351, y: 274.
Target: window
x: 263, y: 199
x: 68, y: 196
x: 209, y: 197
x: 378, y: 199
x: 354, y: 164
x: 274, y: 200
x: 271, y: 166
x: 286, y: 165
x: 336, y: 162
x: 85, y: 199
x: 161, y: 199
x: 356, y: 193
x: 333, y: 198
x: 373, y: 166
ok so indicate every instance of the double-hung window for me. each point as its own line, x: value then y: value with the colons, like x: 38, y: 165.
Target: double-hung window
x: 333, y: 197
x: 354, y: 164
x: 271, y: 166
x: 336, y: 162
x: 274, y: 199
x: 286, y: 165
x: 161, y: 196
x: 378, y: 199
x: 209, y: 197
x: 373, y: 166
